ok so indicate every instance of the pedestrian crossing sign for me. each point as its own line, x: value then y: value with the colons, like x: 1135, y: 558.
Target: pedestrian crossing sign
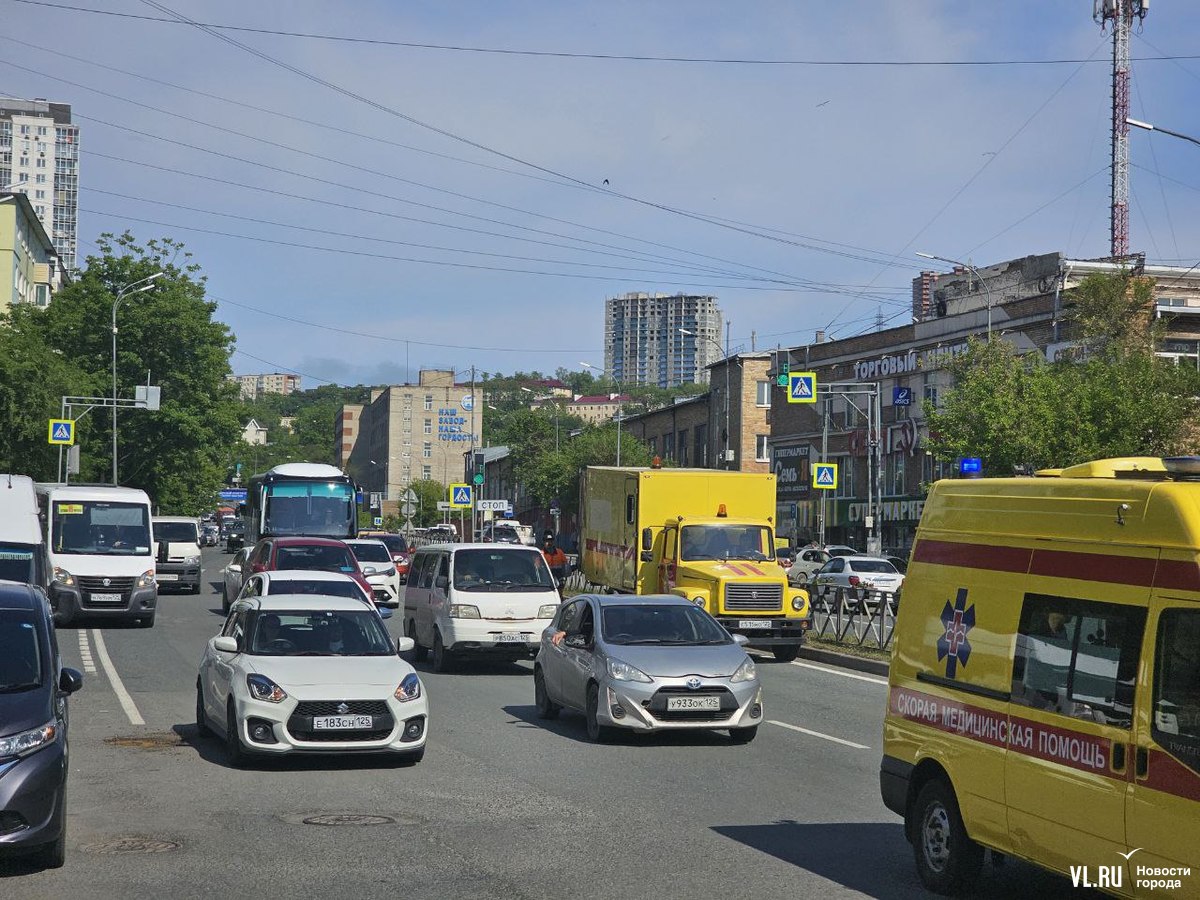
x: 460, y: 496
x: 802, y: 387
x: 825, y: 476
x: 62, y: 431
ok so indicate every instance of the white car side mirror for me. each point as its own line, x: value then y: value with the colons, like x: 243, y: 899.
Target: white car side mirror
x: 225, y: 644
x: 404, y: 644
x: 370, y: 570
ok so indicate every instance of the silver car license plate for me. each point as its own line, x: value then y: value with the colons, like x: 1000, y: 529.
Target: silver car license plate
x: 510, y: 637
x: 351, y: 723
x: 690, y: 703
x: 106, y: 598
x: 754, y: 623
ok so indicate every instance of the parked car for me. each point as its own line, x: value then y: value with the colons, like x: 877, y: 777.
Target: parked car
x: 658, y: 661
x: 864, y: 573
x: 232, y: 577
x: 316, y: 553
x: 298, y: 673
x: 34, y: 687
x: 376, y: 562
x: 809, y: 560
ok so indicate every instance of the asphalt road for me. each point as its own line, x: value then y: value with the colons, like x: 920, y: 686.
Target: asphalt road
x: 503, y: 806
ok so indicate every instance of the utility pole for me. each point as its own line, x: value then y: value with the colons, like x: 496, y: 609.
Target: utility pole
x: 1121, y: 14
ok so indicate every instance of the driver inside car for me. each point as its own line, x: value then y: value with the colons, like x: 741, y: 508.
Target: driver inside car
x: 267, y: 631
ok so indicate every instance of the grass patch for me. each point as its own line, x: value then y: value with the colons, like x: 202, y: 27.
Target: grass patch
x: 866, y: 651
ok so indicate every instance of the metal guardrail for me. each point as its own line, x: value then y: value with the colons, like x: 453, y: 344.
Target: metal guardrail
x: 853, y: 616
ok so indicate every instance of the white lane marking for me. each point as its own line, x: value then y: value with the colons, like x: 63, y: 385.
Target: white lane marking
x: 855, y: 675
x: 817, y: 734
x: 85, y: 653
x: 135, y: 717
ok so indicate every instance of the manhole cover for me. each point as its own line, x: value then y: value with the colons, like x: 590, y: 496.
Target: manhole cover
x: 133, y: 845
x: 347, y: 819
x: 164, y: 741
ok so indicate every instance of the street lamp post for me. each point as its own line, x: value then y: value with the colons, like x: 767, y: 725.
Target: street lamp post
x: 620, y: 393
x: 725, y: 454
x: 966, y: 265
x: 135, y: 287
x: 1148, y: 127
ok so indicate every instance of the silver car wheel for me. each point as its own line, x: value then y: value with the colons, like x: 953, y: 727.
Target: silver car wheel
x: 935, y: 837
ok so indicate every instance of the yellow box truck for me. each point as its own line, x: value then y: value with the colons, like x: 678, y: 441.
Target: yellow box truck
x: 703, y: 534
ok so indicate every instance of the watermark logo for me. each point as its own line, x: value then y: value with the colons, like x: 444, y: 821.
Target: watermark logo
x: 1144, y: 878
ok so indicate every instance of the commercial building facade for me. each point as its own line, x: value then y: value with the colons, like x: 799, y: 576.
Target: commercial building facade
x: 30, y: 271
x: 644, y: 341
x: 39, y: 157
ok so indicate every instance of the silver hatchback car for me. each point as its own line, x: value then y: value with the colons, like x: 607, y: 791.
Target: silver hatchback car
x: 647, y: 664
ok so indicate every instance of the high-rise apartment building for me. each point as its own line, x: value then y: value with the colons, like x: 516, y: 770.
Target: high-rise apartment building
x: 39, y: 157
x: 254, y: 386
x: 645, y: 343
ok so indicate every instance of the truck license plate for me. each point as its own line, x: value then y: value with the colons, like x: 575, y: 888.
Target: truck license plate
x: 690, y: 703
x: 106, y: 598
x: 754, y: 623
x: 358, y: 723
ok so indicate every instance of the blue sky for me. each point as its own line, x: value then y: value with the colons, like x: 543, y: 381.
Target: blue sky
x: 852, y: 168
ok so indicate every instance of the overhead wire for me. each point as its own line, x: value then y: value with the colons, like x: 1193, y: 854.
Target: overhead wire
x: 1045, y: 205
x: 1154, y: 161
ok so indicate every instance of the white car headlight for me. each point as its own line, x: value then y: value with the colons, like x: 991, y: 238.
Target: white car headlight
x: 63, y: 577
x: 145, y: 579
x: 390, y: 573
x: 410, y: 688
x: 263, y: 688
x: 623, y: 671
x: 191, y: 560
x: 28, y: 741
x: 745, y: 672
x: 547, y: 610
x: 464, y: 611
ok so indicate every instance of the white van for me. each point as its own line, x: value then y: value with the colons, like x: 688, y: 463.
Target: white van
x: 478, y: 600
x: 177, y: 553
x: 22, y: 546
x: 101, y: 553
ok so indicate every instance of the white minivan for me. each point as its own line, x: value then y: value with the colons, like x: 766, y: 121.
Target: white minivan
x: 101, y: 552
x: 22, y: 545
x: 481, y: 600
x: 177, y: 553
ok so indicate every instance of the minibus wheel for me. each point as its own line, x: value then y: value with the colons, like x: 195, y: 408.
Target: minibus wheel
x: 948, y: 861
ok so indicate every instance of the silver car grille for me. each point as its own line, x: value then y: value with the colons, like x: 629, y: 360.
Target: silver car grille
x: 753, y: 597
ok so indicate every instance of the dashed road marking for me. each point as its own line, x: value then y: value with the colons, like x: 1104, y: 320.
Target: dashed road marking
x: 127, y: 704
x: 85, y: 653
x: 817, y: 734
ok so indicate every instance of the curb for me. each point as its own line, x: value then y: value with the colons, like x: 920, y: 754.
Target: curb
x: 845, y: 661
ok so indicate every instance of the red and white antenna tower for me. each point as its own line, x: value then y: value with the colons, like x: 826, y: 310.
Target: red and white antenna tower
x: 1121, y: 13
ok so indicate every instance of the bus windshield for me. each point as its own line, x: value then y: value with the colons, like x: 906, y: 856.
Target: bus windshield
x: 313, y: 508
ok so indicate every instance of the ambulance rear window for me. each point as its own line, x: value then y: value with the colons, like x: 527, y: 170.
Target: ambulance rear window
x: 1177, y: 685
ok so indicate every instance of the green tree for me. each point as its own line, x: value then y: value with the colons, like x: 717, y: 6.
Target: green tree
x: 167, y: 334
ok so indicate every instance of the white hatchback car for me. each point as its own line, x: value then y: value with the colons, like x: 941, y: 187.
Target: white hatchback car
x: 292, y: 673
x: 379, y: 568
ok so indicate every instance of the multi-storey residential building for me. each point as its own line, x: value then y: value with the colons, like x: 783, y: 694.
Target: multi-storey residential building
x: 29, y: 266
x: 645, y: 340
x: 410, y: 432
x: 39, y: 157
x: 254, y: 386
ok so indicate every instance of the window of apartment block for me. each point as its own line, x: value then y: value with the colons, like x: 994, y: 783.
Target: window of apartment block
x: 426, y: 472
x: 427, y: 450
x: 429, y: 401
x: 41, y: 162
x: 429, y: 426
x: 41, y: 179
x: 761, y: 452
x: 41, y: 130
x: 762, y: 393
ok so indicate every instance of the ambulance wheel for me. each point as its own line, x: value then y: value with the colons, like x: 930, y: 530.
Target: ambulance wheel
x: 948, y: 861
x: 786, y: 654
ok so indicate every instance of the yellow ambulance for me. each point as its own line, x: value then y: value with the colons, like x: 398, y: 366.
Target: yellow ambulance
x: 1044, y: 695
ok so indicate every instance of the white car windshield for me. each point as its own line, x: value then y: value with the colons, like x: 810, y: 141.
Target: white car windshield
x: 324, y: 633
x: 175, y: 532
x: 100, y: 527
x: 873, y: 565
x: 321, y: 588
x: 501, y: 570
x: 370, y: 551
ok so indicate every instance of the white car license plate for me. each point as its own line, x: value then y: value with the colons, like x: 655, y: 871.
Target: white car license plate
x: 754, y: 623
x: 510, y: 637
x: 689, y: 703
x: 359, y: 723
x: 106, y: 598
x: 167, y: 577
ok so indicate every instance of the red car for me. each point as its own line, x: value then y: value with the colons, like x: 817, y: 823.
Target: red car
x: 321, y: 554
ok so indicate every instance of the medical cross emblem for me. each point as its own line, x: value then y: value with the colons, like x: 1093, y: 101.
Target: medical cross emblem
x: 953, y: 646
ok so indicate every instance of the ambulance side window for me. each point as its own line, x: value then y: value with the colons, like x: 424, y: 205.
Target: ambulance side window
x: 1078, y: 658
x: 1177, y: 686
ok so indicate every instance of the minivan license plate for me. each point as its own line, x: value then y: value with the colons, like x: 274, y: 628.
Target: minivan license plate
x: 754, y: 623
x: 105, y: 598
x: 359, y: 723
x: 510, y: 637
x: 688, y: 703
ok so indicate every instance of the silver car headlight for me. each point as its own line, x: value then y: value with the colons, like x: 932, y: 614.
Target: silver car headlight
x: 547, y: 610
x: 146, y: 579
x: 63, y: 577
x: 28, y: 741
x: 464, y: 611
x: 745, y: 672
x: 410, y: 688
x: 623, y: 671
x: 263, y: 688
